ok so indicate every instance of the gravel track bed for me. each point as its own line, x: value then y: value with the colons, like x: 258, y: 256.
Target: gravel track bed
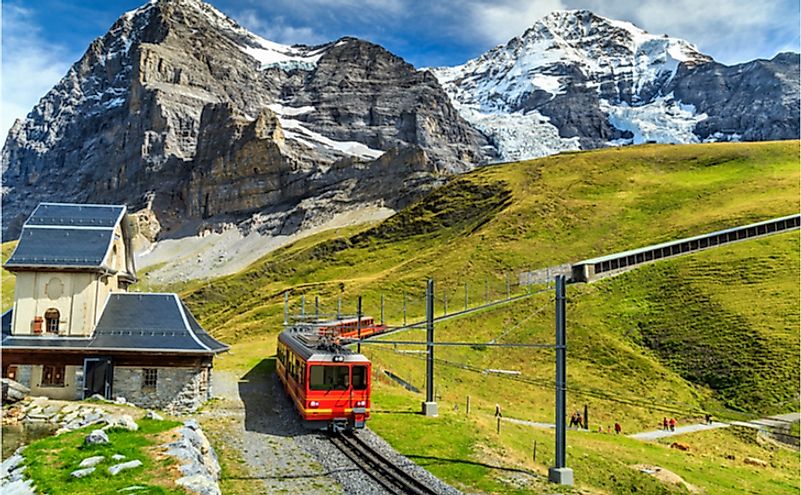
x: 283, y: 456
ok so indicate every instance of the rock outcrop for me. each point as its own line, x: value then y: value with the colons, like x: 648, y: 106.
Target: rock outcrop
x: 180, y: 109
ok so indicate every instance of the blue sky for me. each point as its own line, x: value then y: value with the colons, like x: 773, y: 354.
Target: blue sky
x: 41, y: 38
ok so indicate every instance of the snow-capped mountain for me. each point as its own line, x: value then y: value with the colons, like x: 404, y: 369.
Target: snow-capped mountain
x: 576, y: 80
x: 180, y: 108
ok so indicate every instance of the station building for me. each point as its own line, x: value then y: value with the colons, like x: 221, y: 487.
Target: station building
x: 74, y: 329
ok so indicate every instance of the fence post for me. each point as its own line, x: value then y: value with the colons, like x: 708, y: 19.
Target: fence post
x: 339, y: 307
x: 303, y: 304
x: 534, y: 455
x: 508, y: 288
x: 382, y: 309
x: 467, y: 407
x: 404, y: 308
x: 316, y: 307
x: 586, y: 421
x: 286, y: 307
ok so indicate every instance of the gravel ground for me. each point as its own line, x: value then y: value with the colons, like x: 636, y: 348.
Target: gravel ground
x: 283, y: 455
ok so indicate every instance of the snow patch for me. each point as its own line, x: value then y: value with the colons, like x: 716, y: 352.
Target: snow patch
x: 664, y: 120
x: 284, y: 110
x: 271, y: 54
x: 294, y: 129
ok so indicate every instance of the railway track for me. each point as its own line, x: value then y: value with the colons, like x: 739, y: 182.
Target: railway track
x: 391, y: 477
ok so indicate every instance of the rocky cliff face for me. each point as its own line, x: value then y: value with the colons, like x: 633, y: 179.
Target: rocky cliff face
x: 576, y: 80
x: 180, y: 108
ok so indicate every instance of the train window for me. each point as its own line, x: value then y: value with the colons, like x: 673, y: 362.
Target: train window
x: 328, y: 378
x: 360, y: 378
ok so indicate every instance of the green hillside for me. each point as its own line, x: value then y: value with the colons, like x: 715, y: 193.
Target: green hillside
x: 676, y: 338
x: 699, y: 307
x: 7, y: 279
x: 503, y: 219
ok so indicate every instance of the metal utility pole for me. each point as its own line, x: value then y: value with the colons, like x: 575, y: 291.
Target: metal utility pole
x: 286, y: 308
x: 339, y: 307
x: 316, y: 307
x: 430, y: 405
x: 559, y: 473
x: 359, y: 325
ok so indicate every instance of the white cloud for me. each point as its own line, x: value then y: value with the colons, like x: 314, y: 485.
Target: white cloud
x: 498, y: 22
x: 277, y: 29
x: 30, y: 66
x: 731, y: 31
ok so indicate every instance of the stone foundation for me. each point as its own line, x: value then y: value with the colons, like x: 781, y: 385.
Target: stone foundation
x: 177, y: 390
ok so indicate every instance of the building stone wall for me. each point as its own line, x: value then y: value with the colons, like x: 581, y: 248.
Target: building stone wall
x: 178, y: 390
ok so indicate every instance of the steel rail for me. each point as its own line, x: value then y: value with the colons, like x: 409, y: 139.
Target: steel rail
x: 393, y: 478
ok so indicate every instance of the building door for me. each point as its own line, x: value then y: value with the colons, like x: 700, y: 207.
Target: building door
x: 97, y: 377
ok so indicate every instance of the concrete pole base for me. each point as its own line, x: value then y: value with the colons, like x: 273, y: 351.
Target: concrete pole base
x: 430, y: 409
x: 562, y: 476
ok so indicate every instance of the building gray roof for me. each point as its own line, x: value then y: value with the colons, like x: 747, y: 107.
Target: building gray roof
x: 131, y: 321
x: 68, y: 236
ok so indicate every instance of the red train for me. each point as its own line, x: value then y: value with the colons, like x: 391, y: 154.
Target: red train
x: 348, y: 329
x: 328, y: 384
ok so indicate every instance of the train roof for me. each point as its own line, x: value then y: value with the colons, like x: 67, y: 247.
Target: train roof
x: 312, y: 347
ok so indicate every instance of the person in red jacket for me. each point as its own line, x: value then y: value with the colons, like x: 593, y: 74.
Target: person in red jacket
x: 618, y: 428
x: 672, y: 424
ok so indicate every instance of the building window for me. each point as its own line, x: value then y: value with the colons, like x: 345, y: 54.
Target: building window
x: 11, y: 372
x: 149, y: 378
x: 51, y: 320
x: 53, y: 376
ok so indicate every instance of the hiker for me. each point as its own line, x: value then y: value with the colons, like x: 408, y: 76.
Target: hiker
x: 579, y: 421
x: 708, y: 418
x: 618, y: 428
x: 600, y: 429
x: 665, y: 423
x: 572, y: 420
x: 672, y: 424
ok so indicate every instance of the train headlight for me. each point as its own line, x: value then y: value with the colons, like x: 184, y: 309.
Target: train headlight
x: 338, y: 358
x: 314, y: 403
x: 361, y: 403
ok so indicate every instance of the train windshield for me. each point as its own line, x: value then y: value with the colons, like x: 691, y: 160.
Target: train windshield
x: 328, y: 378
x: 360, y: 378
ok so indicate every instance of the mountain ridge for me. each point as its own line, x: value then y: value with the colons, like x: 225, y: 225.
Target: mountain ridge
x: 293, y: 135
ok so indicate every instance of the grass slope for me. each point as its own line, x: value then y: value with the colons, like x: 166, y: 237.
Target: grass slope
x: 620, y: 375
x: 507, y: 218
x: 7, y: 287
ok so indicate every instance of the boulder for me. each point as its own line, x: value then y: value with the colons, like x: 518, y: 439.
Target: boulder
x: 123, y: 421
x: 96, y: 437
x: 13, y: 391
x: 91, y: 461
x: 117, y: 457
x: 199, y: 484
x: 80, y: 473
x: 117, y: 468
x: 154, y: 415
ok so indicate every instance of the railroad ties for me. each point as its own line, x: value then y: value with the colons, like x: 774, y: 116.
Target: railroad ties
x: 391, y: 477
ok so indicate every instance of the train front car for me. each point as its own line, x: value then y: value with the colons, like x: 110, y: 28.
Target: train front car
x: 329, y: 384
